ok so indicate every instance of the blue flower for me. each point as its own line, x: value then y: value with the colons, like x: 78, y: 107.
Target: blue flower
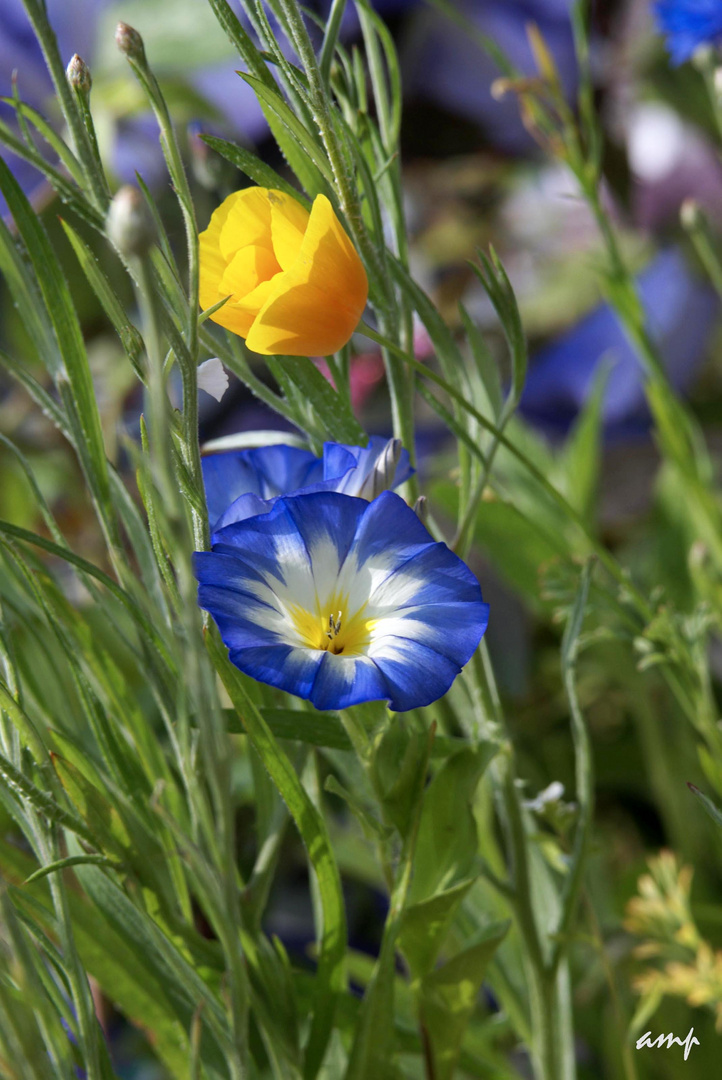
x: 240, y: 483
x: 681, y: 315
x: 687, y: 24
x: 339, y: 600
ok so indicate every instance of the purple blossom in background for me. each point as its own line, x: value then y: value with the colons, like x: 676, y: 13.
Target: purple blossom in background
x: 681, y: 313
x: 687, y: 24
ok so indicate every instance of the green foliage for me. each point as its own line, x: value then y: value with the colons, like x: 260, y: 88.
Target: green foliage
x: 154, y: 801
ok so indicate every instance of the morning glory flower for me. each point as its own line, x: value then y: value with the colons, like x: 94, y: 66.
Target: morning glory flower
x: 339, y: 601
x: 240, y: 483
x: 687, y: 24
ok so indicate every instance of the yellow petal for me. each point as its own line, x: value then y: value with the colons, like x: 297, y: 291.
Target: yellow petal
x: 248, y: 221
x: 212, y: 261
x: 315, y: 306
x: 238, y: 316
x: 246, y: 270
x: 289, y: 221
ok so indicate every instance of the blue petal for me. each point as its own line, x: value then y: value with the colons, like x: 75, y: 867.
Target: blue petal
x: 451, y: 630
x: 341, y: 682
x: 326, y: 519
x: 417, y: 676
x: 688, y: 24
x: 266, y: 471
x: 391, y: 529
x: 245, y: 506
x: 281, y: 666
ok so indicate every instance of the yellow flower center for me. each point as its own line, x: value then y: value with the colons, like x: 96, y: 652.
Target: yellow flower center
x: 332, y: 629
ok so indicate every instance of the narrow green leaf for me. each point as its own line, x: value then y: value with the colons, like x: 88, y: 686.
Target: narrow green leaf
x: 424, y: 927
x: 714, y: 812
x: 330, y: 978
x: 305, y: 156
x: 447, y: 997
x: 335, y: 418
x: 26, y: 729
x: 71, y: 860
x: 581, y: 458
x: 22, y: 788
x: 130, y: 337
x: 252, y: 167
x: 447, y: 844
x: 74, y: 375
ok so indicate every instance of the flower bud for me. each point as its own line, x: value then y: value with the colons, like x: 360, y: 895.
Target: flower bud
x: 382, y: 477
x: 78, y: 74
x: 421, y: 509
x: 690, y: 214
x: 129, y: 225
x: 129, y: 42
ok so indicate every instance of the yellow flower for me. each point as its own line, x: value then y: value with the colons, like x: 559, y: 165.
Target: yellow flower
x: 295, y: 281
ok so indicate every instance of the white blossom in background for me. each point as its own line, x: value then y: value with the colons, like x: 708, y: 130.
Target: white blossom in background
x: 213, y: 378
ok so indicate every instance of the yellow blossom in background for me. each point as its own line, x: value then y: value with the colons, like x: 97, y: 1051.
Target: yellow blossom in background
x: 295, y: 281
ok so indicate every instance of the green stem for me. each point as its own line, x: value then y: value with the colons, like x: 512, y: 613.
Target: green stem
x: 81, y: 140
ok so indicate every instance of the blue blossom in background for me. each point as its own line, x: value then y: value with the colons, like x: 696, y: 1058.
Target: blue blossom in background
x: 239, y: 483
x: 339, y: 601
x: 681, y: 313
x: 687, y: 24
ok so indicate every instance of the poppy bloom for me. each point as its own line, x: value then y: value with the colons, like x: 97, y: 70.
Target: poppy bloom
x: 340, y: 601
x: 240, y: 483
x: 295, y: 282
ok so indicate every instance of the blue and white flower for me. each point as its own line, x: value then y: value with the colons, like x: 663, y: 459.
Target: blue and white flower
x: 339, y: 600
x: 687, y: 24
x: 241, y: 483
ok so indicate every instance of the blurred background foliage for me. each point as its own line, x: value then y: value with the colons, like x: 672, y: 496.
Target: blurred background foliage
x: 473, y: 176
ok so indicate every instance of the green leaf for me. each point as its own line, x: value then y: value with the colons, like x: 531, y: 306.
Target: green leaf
x: 252, y: 167
x: 102, y: 819
x: 183, y: 988
x: 493, y: 277
x: 330, y: 977
x: 447, y: 997
x: 305, y: 156
x: 424, y: 927
x: 398, y: 762
x: 26, y: 729
x: 130, y: 337
x: 304, y: 725
x: 581, y: 457
x: 486, y: 365
x: 447, y: 842
x: 714, y: 812
x: 72, y: 376
x: 67, y: 863
x: 23, y: 789
x: 335, y: 420
x: 131, y: 982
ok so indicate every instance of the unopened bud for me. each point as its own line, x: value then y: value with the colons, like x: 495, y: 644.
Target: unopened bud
x: 382, y: 476
x: 129, y: 225
x: 208, y: 167
x: 78, y: 74
x: 717, y: 80
x: 129, y: 42
x: 690, y: 214
x: 421, y: 509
